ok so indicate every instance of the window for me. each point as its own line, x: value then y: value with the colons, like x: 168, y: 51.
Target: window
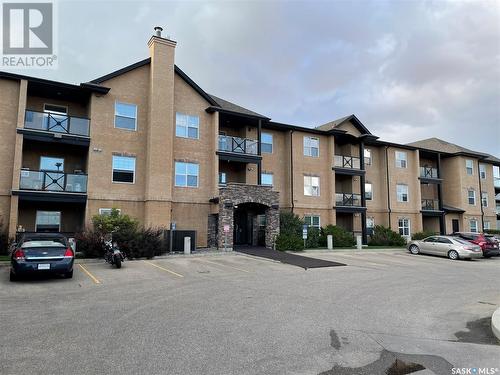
x: 124, y: 169
x: 486, y: 225
x: 431, y: 239
x: 186, y: 174
x: 469, y: 166
x: 473, y: 225
x: 312, y: 221
x: 370, y: 224
x: 107, y: 211
x: 404, y: 226
x: 125, y: 116
x: 443, y: 240
x: 311, y: 147
x: 222, y: 178
x: 266, y: 179
x: 261, y: 219
x: 368, y: 191
x: 402, y: 192
x: 484, y: 199
x: 187, y: 126
x: 48, y: 221
x: 48, y: 163
x: 401, y: 159
x: 266, y: 144
x: 482, y: 171
x: 368, y: 156
x: 55, y: 109
x: 471, y: 196
x: 311, y: 186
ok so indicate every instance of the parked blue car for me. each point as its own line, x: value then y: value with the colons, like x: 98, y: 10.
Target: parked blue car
x: 41, y: 253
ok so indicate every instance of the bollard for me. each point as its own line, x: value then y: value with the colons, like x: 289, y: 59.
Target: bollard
x: 329, y: 241
x: 359, y: 242
x: 187, y: 245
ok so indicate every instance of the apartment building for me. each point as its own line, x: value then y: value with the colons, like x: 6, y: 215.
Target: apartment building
x: 150, y: 142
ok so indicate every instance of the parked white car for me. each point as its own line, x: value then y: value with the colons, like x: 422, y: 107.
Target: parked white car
x: 448, y: 246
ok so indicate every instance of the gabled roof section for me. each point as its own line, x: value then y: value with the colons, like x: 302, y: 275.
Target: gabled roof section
x: 351, y: 118
x: 147, y: 61
x: 230, y: 107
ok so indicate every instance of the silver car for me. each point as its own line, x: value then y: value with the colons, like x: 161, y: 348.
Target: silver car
x: 448, y: 246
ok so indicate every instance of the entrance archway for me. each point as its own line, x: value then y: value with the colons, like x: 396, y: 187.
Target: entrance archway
x: 249, y: 224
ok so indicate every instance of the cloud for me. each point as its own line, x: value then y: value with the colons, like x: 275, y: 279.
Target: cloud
x: 408, y: 70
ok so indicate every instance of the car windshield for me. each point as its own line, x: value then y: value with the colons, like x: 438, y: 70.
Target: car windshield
x: 43, y: 243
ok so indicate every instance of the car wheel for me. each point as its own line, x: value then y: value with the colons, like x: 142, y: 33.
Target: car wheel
x: 453, y: 255
x: 69, y: 275
x: 487, y: 256
x: 13, y: 276
x: 414, y: 249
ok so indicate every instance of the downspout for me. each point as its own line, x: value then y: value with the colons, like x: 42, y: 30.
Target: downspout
x: 480, y: 195
x: 388, y: 185
x: 291, y: 168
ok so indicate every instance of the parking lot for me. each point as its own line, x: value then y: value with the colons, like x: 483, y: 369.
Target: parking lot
x: 237, y: 314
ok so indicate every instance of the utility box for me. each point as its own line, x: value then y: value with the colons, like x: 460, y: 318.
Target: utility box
x: 329, y: 241
x: 359, y: 243
x: 187, y: 245
x: 178, y: 240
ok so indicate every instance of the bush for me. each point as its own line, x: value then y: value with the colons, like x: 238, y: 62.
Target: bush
x: 383, y: 236
x: 4, y: 239
x: 422, y: 235
x: 341, y: 237
x: 133, y: 240
x: 492, y: 231
x: 313, y: 238
x: 290, y: 224
x: 289, y: 242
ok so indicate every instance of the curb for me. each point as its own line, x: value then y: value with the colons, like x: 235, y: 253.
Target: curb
x: 495, y: 323
x: 334, y: 251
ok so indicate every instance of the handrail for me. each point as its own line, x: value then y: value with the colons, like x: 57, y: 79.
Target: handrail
x: 53, y: 181
x: 57, y: 123
x: 348, y: 199
x: 430, y: 204
x: 351, y: 162
x: 429, y: 172
x: 237, y: 145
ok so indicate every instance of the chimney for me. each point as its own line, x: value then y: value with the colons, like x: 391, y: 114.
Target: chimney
x: 161, y: 130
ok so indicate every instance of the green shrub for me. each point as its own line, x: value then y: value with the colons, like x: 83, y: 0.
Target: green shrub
x: 289, y: 242
x: 341, y: 237
x: 492, y: 231
x: 422, y: 235
x: 313, y: 238
x: 290, y: 224
x: 383, y: 236
x: 90, y: 243
x: 4, y: 239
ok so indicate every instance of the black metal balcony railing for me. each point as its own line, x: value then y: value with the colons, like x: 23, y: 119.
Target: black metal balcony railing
x: 53, y: 181
x: 428, y: 172
x: 56, y: 123
x: 238, y: 145
x: 430, y: 204
x: 348, y: 199
x: 351, y: 162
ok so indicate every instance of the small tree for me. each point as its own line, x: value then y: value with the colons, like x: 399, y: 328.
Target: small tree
x: 313, y: 238
x: 4, y: 239
x: 383, y: 236
x: 341, y: 237
x: 290, y: 237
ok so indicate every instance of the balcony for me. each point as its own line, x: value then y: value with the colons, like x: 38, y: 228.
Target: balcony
x: 429, y: 175
x: 53, y: 182
x: 348, y: 199
x: 238, y: 149
x: 347, y: 165
x: 56, y: 123
x: 430, y: 204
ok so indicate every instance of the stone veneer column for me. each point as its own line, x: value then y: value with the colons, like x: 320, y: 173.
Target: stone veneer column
x: 226, y: 217
x: 272, y: 225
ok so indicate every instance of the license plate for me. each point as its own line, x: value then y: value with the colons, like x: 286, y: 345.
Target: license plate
x: 44, y: 266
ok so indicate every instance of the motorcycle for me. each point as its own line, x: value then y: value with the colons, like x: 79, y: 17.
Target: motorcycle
x: 113, y: 255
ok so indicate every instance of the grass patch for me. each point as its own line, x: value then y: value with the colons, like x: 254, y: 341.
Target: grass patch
x: 4, y: 257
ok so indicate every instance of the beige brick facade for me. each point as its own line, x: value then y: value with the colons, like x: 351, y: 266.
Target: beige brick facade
x: 159, y: 90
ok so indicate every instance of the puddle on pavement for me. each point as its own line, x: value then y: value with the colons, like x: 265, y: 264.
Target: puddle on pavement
x: 478, y: 332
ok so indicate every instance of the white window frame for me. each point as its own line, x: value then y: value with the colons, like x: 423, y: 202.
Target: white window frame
x: 267, y: 174
x: 308, y: 149
x: 135, y: 118
x: 267, y: 143
x: 113, y: 169
x: 107, y: 211
x: 311, y: 218
x: 367, y: 154
x: 187, y: 174
x: 471, y: 167
x: 40, y: 211
x: 473, y: 228
x: 486, y: 225
x: 399, y: 196
x: 406, y: 225
x: 482, y: 171
x: 187, y: 126
x: 370, y: 219
x: 400, y: 157
x: 45, y: 110
x: 484, y: 198
x: 308, y: 182
x: 371, y: 191
x: 473, y: 197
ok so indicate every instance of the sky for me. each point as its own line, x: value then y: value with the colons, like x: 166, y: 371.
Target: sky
x: 409, y: 70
